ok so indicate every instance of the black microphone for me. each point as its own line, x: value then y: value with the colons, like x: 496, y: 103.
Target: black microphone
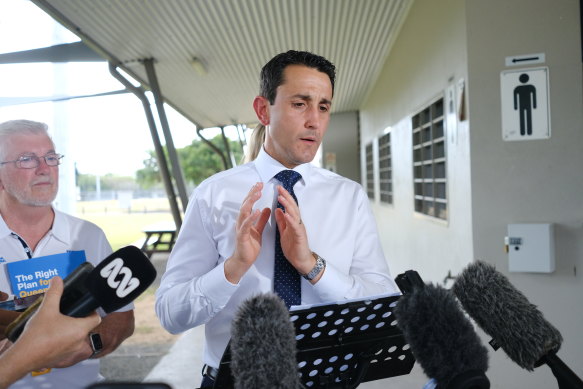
x: 115, y: 282
x: 442, y: 339
x: 263, y: 345
x: 515, y: 324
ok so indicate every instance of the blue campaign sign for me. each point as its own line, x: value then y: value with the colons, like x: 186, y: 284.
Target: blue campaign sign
x: 31, y: 276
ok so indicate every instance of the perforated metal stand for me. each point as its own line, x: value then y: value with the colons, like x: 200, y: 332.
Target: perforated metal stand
x: 343, y: 345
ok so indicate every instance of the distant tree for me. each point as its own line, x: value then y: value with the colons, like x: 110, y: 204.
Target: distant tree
x: 115, y: 182
x: 149, y: 175
x: 87, y: 182
x: 198, y: 160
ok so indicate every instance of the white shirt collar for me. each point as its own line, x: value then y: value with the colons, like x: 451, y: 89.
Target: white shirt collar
x: 59, y: 230
x: 4, y: 230
x: 268, y: 167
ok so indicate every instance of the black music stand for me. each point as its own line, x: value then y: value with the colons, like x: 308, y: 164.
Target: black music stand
x: 342, y: 345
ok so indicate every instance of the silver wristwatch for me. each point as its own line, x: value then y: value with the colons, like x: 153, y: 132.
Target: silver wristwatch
x: 318, y: 267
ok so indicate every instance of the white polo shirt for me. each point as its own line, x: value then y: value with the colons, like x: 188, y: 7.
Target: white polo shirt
x: 68, y: 233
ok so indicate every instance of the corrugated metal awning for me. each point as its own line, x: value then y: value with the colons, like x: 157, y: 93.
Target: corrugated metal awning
x: 233, y: 39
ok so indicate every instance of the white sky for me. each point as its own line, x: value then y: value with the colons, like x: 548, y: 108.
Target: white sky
x: 101, y: 135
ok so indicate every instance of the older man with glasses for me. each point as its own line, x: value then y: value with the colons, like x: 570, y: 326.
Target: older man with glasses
x: 30, y: 227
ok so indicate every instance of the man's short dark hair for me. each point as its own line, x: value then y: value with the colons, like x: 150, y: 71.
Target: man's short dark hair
x: 272, y: 72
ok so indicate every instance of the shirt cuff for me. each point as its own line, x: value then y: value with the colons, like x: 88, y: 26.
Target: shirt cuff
x: 333, y: 285
x: 215, y: 286
x: 125, y: 308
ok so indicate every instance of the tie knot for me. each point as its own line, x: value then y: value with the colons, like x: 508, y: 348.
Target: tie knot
x: 288, y: 178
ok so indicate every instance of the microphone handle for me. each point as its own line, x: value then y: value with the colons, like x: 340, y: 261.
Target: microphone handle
x: 82, y: 307
x: 566, y: 378
x: 14, y: 329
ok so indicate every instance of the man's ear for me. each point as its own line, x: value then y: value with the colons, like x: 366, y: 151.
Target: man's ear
x: 261, y: 107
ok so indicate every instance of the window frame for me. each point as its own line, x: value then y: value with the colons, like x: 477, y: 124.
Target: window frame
x: 369, y: 170
x: 429, y: 152
x: 386, y: 194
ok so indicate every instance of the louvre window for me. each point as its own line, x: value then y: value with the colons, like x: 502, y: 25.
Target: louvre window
x: 385, y: 169
x: 429, y: 161
x: 369, y: 172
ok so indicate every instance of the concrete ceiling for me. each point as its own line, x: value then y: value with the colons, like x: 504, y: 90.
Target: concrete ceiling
x: 233, y: 39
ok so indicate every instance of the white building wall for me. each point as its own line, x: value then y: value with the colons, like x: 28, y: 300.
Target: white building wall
x: 491, y: 183
x: 536, y: 181
x: 339, y: 151
x: 428, y: 57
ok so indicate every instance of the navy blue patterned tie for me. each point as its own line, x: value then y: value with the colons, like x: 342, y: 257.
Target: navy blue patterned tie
x: 286, y: 279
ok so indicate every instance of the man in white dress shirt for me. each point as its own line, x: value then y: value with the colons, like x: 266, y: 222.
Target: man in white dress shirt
x: 30, y: 227
x: 224, y: 253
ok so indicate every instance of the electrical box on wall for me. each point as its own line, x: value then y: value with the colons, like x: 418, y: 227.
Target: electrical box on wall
x: 531, y: 248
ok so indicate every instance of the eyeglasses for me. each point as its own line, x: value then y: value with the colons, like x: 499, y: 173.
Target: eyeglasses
x: 32, y: 161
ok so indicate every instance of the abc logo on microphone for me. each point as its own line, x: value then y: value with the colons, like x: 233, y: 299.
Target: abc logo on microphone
x: 120, y: 278
x: 122, y: 287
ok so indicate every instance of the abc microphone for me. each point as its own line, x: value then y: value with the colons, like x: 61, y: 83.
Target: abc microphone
x: 115, y: 282
x: 441, y: 338
x: 515, y: 324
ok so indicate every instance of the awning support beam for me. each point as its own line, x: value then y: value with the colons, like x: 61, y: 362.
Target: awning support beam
x: 175, y: 163
x: 162, y: 164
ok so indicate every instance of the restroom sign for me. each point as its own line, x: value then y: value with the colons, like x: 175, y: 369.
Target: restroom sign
x: 525, y: 104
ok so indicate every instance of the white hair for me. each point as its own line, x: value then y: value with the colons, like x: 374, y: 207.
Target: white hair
x: 15, y: 127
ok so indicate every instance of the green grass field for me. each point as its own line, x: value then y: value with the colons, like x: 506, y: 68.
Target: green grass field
x: 124, y: 226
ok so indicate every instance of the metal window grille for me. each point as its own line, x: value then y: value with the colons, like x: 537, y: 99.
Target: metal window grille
x: 369, y: 171
x: 385, y: 169
x: 429, y: 161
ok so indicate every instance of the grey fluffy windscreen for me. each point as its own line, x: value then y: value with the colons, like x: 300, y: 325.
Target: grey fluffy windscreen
x: 505, y: 314
x: 441, y: 338
x: 263, y: 345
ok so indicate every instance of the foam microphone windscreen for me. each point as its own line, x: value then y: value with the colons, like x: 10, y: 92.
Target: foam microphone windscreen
x: 505, y: 314
x: 442, y: 339
x: 263, y: 345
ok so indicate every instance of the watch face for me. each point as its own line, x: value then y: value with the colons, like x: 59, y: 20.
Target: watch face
x: 96, y: 343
